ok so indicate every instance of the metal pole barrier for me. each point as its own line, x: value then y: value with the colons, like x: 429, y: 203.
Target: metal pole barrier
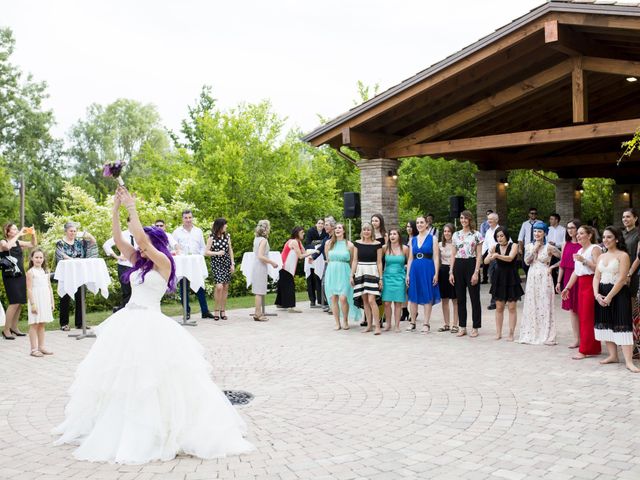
x: 185, y: 296
x: 83, y: 310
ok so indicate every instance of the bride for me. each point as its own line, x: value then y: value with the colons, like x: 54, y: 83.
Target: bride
x: 144, y: 391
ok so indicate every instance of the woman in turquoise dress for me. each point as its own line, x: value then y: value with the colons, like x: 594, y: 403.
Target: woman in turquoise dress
x: 394, y: 287
x: 337, y: 278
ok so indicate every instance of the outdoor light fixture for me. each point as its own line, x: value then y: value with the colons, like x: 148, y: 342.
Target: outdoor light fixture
x: 626, y: 193
x: 393, y: 174
x: 504, y: 181
x: 632, y: 79
x: 580, y: 188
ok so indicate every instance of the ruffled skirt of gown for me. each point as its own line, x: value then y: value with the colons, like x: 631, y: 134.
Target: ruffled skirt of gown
x: 144, y: 392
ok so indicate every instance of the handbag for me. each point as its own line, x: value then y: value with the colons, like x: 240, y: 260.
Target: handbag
x: 9, y: 266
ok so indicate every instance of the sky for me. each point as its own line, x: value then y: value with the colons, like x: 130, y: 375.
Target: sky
x: 304, y: 56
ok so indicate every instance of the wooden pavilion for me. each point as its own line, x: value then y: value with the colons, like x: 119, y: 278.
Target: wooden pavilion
x: 556, y: 89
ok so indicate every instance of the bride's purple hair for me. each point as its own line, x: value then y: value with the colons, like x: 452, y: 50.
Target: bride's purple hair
x: 161, y: 243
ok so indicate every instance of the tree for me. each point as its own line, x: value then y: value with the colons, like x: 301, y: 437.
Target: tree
x: 118, y: 131
x: 32, y: 158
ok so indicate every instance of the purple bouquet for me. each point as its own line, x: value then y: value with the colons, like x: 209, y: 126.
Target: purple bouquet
x: 113, y: 169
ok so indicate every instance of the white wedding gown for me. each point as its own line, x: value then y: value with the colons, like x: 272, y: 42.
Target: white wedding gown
x: 144, y: 391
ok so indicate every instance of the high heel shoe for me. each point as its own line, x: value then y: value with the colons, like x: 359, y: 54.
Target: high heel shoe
x: 7, y: 337
x: 18, y: 334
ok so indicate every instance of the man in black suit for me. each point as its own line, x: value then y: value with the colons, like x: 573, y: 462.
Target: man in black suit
x: 329, y: 225
x: 312, y: 239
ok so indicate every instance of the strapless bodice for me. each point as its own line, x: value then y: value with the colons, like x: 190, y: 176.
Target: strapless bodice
x: 147, y: 294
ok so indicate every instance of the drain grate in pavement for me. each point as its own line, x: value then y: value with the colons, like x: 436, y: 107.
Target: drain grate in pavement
x: 238, y: 397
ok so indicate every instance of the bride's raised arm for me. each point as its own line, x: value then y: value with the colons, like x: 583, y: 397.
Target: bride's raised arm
x: 145, y: 246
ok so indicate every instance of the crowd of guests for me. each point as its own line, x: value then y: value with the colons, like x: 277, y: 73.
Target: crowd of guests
x: 385, y: 277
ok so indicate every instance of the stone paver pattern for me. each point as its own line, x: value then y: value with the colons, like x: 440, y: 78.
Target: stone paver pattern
x: 345, y: 405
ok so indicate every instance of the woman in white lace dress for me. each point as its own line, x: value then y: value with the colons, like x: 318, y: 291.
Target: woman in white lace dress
x: 538, y: 323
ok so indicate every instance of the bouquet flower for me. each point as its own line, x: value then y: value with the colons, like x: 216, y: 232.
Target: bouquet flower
x: 113, y: 169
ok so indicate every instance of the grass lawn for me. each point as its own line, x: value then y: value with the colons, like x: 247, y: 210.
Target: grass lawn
x: 170, y: 309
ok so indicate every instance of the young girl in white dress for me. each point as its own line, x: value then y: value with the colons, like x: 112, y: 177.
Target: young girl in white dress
x: 39, y: 301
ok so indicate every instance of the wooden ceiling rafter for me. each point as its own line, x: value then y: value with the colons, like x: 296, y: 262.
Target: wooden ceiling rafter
x: 533, y: 137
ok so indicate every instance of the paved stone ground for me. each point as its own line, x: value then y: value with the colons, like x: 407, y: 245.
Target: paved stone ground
x: 343, y: 405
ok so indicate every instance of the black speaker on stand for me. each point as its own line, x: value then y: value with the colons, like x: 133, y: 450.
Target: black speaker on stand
x: 351, y: 207
x: 456, y: 207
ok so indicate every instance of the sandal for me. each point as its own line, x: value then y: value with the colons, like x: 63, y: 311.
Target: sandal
x: 474, y: 333
x: 44, y: 351
x: 36, y: 353
x: 426, y: 328
x: 462, y: 332
x: 411, y: 327
x: 444, y: 328
x: 65, y: 328
x: 222, y: 316
x: 216, y: 317
x: 260, y: 318
x: 455, y: 329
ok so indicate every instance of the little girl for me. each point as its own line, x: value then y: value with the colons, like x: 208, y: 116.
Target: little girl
x: 40, y: 302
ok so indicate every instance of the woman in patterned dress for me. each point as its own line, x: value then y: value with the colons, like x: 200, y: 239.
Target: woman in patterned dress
x: 222, y: 265
x: 538, y: 317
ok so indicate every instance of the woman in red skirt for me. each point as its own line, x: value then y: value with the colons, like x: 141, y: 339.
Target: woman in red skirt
x: 585, y: 264
x: 571, y: 247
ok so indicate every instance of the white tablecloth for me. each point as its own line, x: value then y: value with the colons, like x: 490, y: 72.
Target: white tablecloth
x: 92, y: 272
x: 193, y: 268
x: 317, y: 265
x: 246, y: 267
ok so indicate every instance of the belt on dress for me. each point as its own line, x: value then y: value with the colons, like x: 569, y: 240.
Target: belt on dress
x: 420, y: 256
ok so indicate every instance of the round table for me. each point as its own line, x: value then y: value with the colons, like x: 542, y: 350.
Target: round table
x: 192, y: 268
x: 82, y: 273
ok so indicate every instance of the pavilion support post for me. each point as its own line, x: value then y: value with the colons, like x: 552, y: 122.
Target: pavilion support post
x: 621, y: 200
x: 568, y: 199
x: 379, y: 190
x: 491, y: 194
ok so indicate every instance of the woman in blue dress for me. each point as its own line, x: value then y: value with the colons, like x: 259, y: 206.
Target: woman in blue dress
x: 394, y: 287
x: 424, y: 261
x: 337, y: 278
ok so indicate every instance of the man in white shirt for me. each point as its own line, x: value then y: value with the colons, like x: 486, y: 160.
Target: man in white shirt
x: 525, y: 237
x: 555, y: 237
x: 191, y: 241
x: 487, y: 246
x: 124, y: 265
x: 174, y: 247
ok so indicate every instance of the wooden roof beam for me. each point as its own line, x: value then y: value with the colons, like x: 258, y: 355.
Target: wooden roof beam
x: 355, y: 139
x: 486, y: 105
x: 611, y: 66
x: 551, y: 163
x: 579, y: 91
x: 570, y: 42
x: 506, y: 140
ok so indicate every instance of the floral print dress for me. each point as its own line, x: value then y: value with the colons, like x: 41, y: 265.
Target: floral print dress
x: 538, y: 323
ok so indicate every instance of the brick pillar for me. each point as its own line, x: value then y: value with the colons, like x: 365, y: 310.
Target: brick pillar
x: 568, y: 199
x: 491, y: 194
x: 379, y: 190
x: 621, y: 200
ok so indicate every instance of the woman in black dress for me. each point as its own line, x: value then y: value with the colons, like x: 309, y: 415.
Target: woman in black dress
x: 15, y: 283
x: 222, y: 265
x: 505, y: 286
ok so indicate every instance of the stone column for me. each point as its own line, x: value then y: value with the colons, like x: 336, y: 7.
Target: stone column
x: 568, y: 199
x: 379, y: 190
x: 621, y: 200
x: 491, y: 194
